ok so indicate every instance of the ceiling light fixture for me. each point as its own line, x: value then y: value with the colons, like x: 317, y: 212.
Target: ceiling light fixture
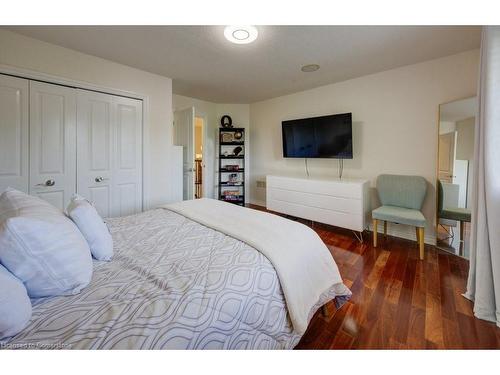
x: 241, y: 34
x: 310, y: 68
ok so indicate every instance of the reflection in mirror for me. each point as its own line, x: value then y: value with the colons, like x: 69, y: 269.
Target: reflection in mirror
x: 455, y: 162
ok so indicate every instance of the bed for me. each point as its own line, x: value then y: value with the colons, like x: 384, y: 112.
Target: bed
x: 178, y: 282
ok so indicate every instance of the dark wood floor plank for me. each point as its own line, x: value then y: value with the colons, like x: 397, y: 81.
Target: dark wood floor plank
x: 398, y: 301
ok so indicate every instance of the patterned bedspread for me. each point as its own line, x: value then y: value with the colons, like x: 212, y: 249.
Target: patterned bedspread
x: 172, y: 284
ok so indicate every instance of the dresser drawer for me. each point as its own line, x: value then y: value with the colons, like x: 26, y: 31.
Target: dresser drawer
x: 325, y: 202
x: 323, y: 187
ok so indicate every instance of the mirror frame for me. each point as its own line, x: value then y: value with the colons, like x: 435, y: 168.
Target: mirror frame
x: 436, y: 228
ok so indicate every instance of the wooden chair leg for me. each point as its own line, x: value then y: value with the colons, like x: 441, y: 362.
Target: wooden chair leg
x: 375, y: 222
x: 421, y: 242
x: 385, y: 228
x: 416, y: 233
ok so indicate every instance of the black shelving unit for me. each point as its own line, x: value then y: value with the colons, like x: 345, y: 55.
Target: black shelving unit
x: 231, y: 166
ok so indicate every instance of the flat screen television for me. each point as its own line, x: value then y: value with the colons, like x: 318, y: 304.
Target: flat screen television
x: 318, y: 137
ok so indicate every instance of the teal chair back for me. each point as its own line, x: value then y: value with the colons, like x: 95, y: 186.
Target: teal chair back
x: 401, y: 191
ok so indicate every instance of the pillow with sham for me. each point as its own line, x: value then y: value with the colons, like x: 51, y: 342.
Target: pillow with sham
x: 93, y: 228
x: 42, y: 247
x: 15, y: 305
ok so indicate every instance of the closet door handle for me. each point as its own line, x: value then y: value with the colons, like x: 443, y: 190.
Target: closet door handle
x: 47, y: 183
x: 100, y: 179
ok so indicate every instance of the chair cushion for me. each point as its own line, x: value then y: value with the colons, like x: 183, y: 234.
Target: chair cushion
x: 456, y: 213
x: 399, y: 215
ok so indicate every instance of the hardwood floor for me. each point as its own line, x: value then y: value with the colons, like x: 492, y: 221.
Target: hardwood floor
x: 398, y: 301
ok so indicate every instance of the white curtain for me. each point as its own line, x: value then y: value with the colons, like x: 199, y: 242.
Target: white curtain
x: 483, y: 286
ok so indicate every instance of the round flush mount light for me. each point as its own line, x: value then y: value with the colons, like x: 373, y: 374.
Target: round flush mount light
x: 310, y: 68
x: 241, y: 34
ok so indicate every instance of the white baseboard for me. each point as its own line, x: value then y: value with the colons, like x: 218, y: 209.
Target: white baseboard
x: 404, y: 231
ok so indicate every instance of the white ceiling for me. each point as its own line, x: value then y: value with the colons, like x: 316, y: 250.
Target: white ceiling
x: 204, y: 65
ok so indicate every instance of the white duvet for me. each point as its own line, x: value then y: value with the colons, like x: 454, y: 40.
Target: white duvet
x: 304, y: 265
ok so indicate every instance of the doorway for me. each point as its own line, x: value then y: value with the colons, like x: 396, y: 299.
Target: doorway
x: 199, y: 129
x: 190, y: 132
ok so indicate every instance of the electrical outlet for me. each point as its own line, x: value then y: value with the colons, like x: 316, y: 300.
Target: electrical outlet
x: 261, y: 183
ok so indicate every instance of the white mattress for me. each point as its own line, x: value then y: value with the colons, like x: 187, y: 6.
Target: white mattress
x: 172, y: 284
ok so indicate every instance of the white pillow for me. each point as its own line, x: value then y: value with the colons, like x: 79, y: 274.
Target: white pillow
x: 42, y: 247
x: 92, y: 227
x: 15, y: 305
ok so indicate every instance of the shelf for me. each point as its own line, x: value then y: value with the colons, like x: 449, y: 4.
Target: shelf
x: 232, y: 130
x: 227, y: 161
x: 239, y: 199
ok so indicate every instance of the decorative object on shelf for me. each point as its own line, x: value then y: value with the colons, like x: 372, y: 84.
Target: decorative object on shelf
x: 237, y: 150
x: 227, y: 137
x: 226, y: 121
x: 230, y: 192
x: 232, y: 165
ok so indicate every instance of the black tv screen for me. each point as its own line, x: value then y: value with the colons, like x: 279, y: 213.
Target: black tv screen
x: 318, y: 137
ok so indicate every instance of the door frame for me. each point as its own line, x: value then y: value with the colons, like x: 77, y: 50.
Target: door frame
x: 146, y: 141
x: 436, y: 177
x: 204, y: 155
x: 193, y: 126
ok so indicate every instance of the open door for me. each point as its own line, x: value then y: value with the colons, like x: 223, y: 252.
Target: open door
x: 446, y: 156
x: 184, y: 136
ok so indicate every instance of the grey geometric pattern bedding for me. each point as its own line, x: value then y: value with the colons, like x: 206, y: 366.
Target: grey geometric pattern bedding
x: 172, y: 284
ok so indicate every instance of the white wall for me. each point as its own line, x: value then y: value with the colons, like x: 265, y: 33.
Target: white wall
x: 395, y: 120
x: 465, y: 139
x: 26, y: 53
x: 446, y: 127
x: 240, y: 113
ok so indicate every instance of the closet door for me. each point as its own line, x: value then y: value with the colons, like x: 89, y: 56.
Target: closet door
x: 95, y: 149
x: 14, y: 133
x: 110, y: 153
x: 127, y: 170
x: 52, y: 143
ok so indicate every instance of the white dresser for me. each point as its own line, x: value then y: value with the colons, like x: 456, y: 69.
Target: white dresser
x: 342, y: 203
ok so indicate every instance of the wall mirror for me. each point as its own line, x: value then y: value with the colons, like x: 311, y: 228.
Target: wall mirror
x: 455, y: 161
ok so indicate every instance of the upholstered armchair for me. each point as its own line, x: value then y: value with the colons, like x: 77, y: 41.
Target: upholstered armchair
x: 402, y: 198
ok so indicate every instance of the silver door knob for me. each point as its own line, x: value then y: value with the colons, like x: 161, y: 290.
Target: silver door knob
x: 47, y: 183
x: 100, y: 179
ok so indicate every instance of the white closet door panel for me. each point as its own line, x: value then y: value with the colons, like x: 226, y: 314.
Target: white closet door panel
x: 14, y: 133
x: 52, y: 142
x: 127, y: 170
x: 95, y: 149
x: 100, y: 196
